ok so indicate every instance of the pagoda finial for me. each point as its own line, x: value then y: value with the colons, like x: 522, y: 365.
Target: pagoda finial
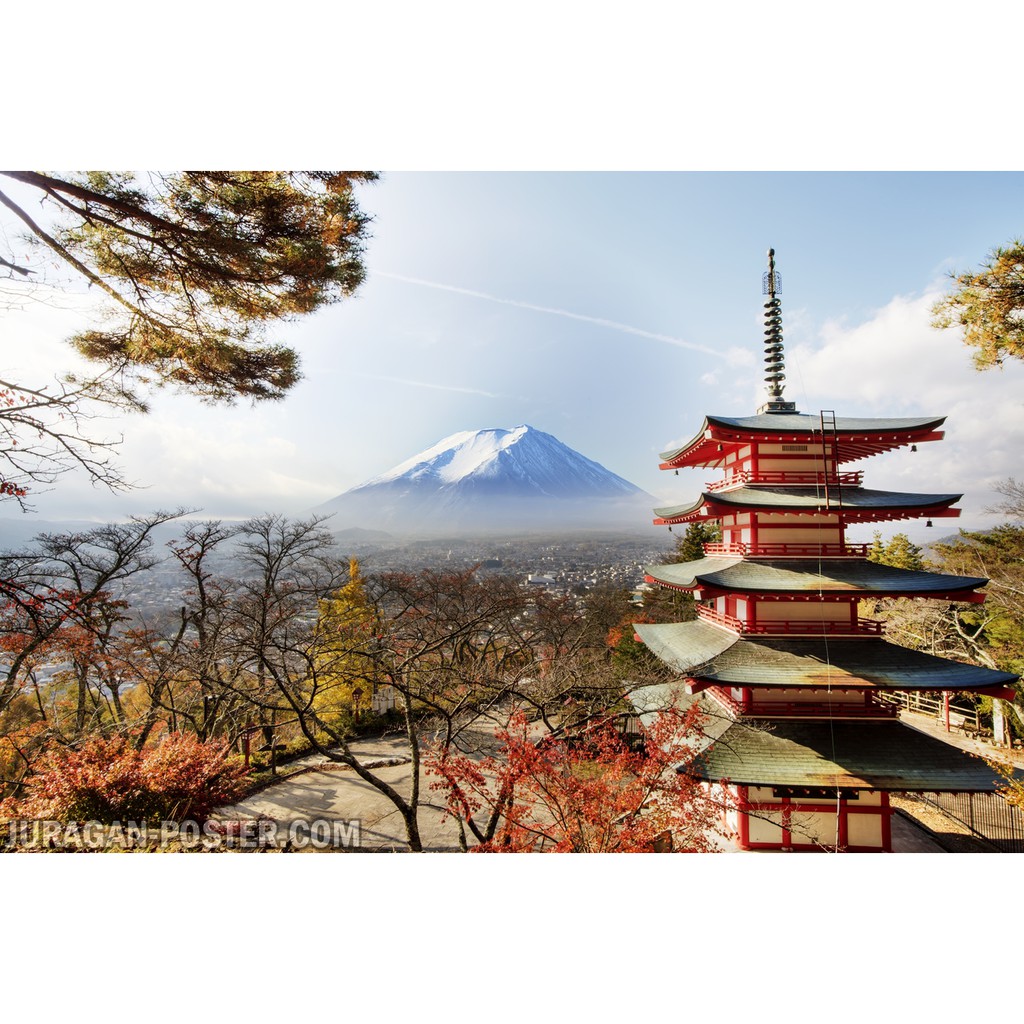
x: 771, y: 284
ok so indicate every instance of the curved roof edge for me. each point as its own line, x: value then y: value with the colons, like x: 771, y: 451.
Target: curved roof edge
x: 883, y: 756
x: 765, y: 425
x: 854, y: 576
x: 714, y: 655
x: 857, y: 501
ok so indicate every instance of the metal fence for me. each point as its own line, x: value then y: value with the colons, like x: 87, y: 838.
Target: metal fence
x: 987, y: 815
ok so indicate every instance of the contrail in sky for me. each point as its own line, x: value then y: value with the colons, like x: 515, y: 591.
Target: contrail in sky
x: 612, y: 324
x: 425, y: 384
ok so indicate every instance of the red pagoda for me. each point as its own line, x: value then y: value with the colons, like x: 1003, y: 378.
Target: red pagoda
x: 789, y: 673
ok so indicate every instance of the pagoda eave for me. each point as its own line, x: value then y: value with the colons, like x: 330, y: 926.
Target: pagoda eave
x: 854, y: 506
x: 722, y: 657
x: 882, y: 756
x: 852, y: 440
x: 827, y: 580
x: 717, y: 511
x: 710, y: 592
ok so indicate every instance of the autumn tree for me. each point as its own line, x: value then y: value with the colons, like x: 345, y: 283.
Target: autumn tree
x: 59, y: 584
x: 1012, y: 505
x: 62, y: 602
x: 44, y: 432
x: 344, y: 676
x: 195, y: 266
x: 590, y: 794
x: 460, y: 652
x: 109, y: 779
x: 989, y: 305
x: 284, y: 568
x: 453, y: 648
x: 189, y: 675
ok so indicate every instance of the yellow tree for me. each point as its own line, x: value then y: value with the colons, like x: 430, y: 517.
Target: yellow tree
x: 343, y: 680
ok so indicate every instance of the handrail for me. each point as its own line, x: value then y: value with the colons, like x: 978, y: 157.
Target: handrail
x: 749, y: 476
x: 788, y: 550
x: 719, y: 618
x: 803, y: 709
x: 835, y: 709
x: 792, y: 627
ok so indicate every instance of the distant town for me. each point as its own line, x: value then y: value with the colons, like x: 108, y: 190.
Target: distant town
x: 571, y: 564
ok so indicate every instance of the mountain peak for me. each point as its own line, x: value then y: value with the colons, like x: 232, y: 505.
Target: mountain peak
x: 455, y: 457
x: 519, y: 475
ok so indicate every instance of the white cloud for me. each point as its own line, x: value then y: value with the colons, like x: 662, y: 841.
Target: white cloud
x: 896, y: 364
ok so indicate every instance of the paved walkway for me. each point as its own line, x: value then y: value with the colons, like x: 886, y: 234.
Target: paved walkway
x: 337, y: 793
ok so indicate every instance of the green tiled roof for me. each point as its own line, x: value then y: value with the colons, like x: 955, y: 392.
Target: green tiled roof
x: 804, y: 576
x: 798, y: 422
x: 704, y: 651
x: 853, y: 755
x: 809, y: 499
x: 683, y: 645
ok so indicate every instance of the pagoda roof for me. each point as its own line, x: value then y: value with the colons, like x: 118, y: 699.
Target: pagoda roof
x: 856, y: 438
x: 856, y: 504
x: 716, y: 656
x: 884, y: 755
x: 887, y: 756
x: 802, y: 576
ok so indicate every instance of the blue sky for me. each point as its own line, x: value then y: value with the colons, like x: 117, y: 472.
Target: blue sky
x: 611, y: 309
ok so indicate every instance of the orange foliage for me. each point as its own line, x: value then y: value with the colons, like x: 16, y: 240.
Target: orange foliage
x: 109, y: 780
x: 591, y: 794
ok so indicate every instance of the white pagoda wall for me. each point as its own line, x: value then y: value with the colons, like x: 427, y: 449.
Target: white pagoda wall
x: 811, y: 823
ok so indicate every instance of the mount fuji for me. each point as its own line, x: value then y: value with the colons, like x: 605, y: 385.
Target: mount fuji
x: 494, y: 480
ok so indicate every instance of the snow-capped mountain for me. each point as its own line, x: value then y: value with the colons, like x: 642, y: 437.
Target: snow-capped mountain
x: 494, y: 479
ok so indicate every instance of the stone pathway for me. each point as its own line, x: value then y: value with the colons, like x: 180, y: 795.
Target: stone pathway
x: 335, y: 792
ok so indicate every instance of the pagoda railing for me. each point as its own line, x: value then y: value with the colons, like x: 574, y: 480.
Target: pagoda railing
x: 816, y: 709
x: 748, y: 476
x: 788, y: 550
x: 719, y: 618
x: 792, y: 627
x: 802, y: 709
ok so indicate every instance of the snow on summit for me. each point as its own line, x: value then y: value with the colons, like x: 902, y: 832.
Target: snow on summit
x: 522, y: 456
x: 492, y: 479
x: 457, y: 456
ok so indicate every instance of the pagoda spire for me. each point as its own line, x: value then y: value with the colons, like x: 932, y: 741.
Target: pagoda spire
x: 774, y: 357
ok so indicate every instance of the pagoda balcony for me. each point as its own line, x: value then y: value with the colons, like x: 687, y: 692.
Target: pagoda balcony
x: 803, y: 709
x: 760, y: 550
x: 791, y: 627
x: 749, y: 477
x: 719, y: 618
